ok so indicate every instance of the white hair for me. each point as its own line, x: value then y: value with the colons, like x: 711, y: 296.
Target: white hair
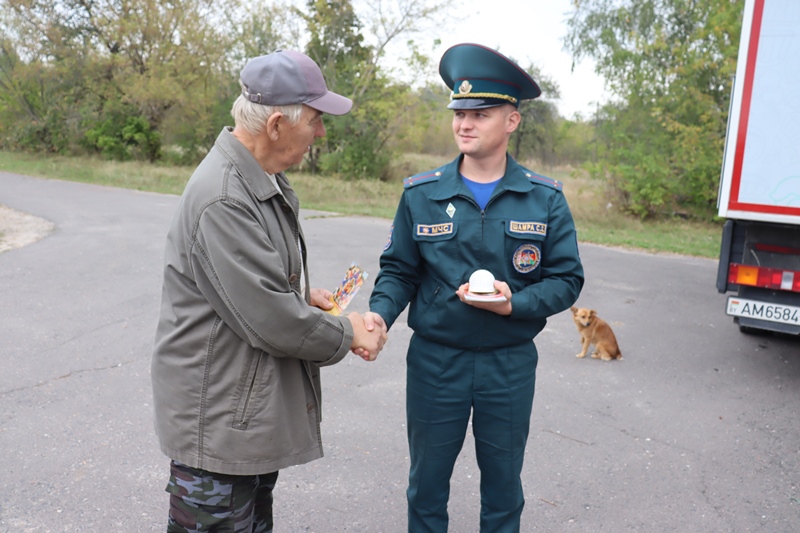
x: 253, y: 117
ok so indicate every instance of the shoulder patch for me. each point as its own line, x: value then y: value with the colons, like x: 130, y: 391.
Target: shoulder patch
x: 538, y: 179
x: 425, y: 177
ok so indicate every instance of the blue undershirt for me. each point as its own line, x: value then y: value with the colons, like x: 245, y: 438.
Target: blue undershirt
x: 481, y: 191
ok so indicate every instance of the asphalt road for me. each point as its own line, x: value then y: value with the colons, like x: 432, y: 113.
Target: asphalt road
x: 695, y: 430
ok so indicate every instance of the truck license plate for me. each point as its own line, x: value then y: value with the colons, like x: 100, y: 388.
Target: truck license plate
x: 785, y: 314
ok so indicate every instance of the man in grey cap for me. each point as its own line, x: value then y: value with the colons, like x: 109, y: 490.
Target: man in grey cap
x: 241, y: 335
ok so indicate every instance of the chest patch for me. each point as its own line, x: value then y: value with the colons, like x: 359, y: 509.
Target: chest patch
x: 527, y: 228
x: 526, y: 258
x: 435, y: 229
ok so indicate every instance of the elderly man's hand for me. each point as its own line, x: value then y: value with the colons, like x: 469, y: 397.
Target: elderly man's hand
x: 369, y: 335
x: 321, y: 298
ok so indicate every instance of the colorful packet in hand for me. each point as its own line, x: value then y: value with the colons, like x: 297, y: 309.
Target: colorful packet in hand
x: 353, y: 279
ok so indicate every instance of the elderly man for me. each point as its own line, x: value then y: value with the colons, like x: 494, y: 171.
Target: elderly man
x: 241, y: 336
x: 472, y: 355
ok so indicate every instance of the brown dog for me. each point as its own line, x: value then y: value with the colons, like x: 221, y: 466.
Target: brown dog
x: 595, y: 330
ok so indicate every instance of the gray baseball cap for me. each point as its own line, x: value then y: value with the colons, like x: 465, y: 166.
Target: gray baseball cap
x: 286, y: 77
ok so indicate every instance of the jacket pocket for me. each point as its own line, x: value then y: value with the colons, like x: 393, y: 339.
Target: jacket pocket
x: 523, y: 245
x: 250, y: 384
x: 437, y: 242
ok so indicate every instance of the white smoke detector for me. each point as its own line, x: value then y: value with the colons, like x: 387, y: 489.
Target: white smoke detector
x: 481, y: 282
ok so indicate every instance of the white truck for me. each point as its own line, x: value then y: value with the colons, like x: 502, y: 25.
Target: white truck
x: 759, y: 194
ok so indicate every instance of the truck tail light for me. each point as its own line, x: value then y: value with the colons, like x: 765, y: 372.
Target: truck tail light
x: 766, y: 278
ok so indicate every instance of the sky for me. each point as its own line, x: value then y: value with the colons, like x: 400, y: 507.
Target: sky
x: 530, y: 31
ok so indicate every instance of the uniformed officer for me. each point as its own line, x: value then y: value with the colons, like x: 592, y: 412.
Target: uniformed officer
x: 473, y: 354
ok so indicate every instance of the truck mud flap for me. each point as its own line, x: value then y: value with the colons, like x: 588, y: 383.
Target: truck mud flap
x: 724, y: 256
x: 750, y: 325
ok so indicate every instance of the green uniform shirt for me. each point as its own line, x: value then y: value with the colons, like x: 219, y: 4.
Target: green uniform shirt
x: 525, y: 236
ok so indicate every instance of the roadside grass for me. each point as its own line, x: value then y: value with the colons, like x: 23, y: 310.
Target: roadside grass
x: 596, y: 221
x: 128, y: 175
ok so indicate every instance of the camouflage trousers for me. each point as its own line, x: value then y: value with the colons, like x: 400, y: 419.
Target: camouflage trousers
x: 207, y: 502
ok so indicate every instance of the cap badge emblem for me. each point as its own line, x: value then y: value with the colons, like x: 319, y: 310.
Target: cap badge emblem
x: 465, y: 87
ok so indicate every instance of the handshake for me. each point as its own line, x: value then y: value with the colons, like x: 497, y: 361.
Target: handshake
x: 369, y: 329
x: 369, y: 334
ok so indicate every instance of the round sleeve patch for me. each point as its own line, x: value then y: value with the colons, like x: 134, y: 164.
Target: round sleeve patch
x: 527, y: 258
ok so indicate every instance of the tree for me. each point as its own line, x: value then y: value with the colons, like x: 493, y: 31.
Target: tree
x: 537, y: 134
x: 138, y: 58
x: 124, y: 78
x: 669, y: 65
x: 336, y: 44
x: 360, y: 143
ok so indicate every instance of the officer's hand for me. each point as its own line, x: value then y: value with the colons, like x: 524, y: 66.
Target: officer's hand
x: 501, y: 308
x: 371, y: 320
x: 321, y: 298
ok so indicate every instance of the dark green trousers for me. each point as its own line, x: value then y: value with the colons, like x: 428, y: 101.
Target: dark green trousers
x: 444, y: 387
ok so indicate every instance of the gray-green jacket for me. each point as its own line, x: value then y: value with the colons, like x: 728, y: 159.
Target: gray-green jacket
x: 235, y: 369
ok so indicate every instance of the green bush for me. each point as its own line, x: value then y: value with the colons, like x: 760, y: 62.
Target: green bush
x: 358, y: 159
x: 124, y: 138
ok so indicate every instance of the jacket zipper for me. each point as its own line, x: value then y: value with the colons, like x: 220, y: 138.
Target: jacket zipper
x: 483, y: 228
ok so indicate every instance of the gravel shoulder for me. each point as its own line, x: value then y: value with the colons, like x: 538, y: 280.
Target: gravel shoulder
x: 18, y: 229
